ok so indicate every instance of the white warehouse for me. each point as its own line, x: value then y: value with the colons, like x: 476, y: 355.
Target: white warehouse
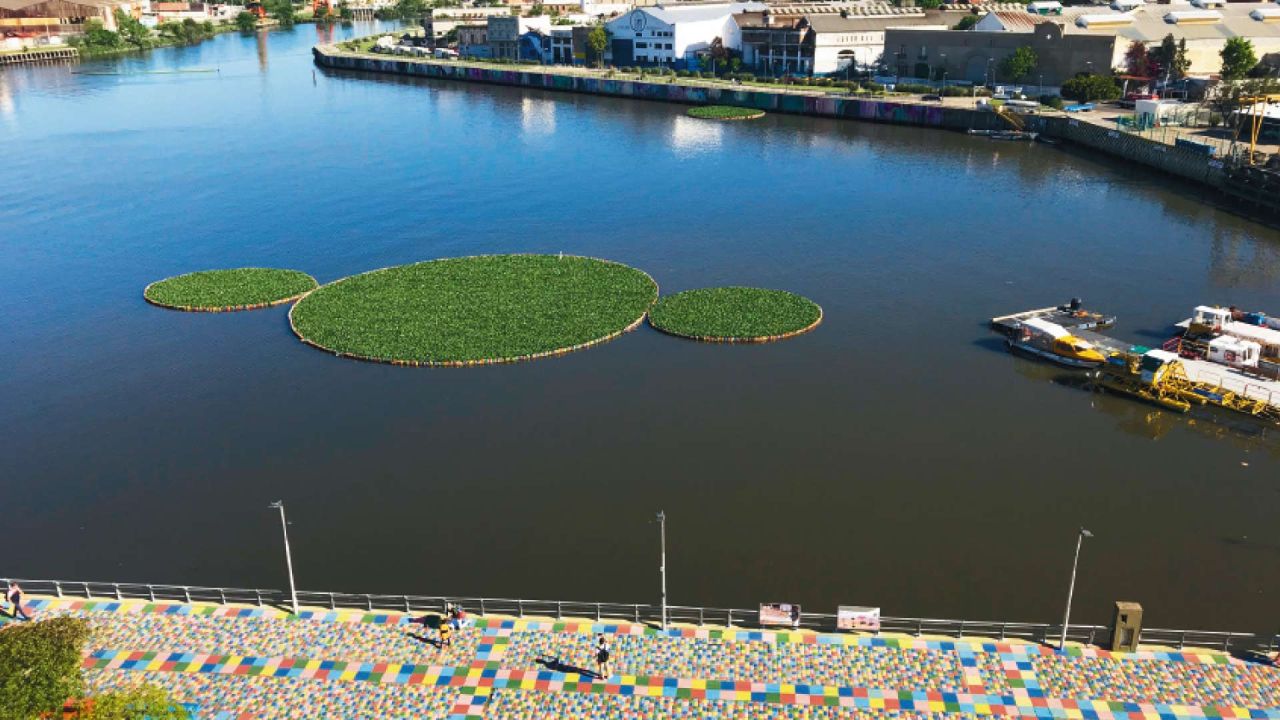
x: 672, y: 35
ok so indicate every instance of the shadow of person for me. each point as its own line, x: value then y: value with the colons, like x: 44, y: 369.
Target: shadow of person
x: 555, y: 665
x: 433, y: 642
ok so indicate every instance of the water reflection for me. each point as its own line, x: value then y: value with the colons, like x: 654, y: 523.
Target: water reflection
x: 537, y: 116
x: 691, y: 137
x: 7, y: 107
x: 1239, y: 261
x: 1138, y: 419
x: 262, y: 36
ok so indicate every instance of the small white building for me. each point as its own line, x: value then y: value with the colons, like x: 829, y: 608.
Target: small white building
x: 669, y: 35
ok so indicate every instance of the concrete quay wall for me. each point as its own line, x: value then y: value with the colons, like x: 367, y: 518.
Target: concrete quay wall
x: 888, y: 111
x: 1182, y: 162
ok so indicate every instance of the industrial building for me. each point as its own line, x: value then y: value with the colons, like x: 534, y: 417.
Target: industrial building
x: 1205, y: 25
x: 675, y: 34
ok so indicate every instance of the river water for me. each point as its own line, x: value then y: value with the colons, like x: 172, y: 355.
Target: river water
x: 896, y: 456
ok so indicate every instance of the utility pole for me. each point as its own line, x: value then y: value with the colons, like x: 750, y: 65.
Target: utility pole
x: 662, y: 529
x: 1071, y: 589
x: 288, y: 559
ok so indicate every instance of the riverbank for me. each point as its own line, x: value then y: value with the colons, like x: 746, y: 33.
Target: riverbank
x: 1194, y: 163
x: 266, y: 663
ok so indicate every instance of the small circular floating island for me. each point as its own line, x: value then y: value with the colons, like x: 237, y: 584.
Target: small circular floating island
x: 228, y: 290
x: 735, y: 314
x: 475, y: 310
x: 724, y: 112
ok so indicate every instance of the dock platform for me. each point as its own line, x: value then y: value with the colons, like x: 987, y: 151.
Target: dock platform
x: 1071, y: 317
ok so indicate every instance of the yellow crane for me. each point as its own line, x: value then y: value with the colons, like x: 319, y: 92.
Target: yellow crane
x: 1159, y: 377
x: 1257, y: 107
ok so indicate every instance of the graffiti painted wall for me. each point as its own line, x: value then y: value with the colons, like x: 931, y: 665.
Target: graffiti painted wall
x: 821, y: 106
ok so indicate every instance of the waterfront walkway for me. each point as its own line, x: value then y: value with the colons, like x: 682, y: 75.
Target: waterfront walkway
x: 242, y: 663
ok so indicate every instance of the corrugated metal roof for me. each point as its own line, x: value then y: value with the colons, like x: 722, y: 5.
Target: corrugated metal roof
x: 837, y: 24
x: 15, y: 5
x: 1149, y: 24
x: 1017, y: 21
x: 697, y: 13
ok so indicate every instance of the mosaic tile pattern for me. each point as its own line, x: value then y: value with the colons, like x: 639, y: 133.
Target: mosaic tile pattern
x: 1178, y: 682
x: 530, y: 706
x: 753, y: 660
x: 223, y: 697
x: 262, y: 663
x: 270, y: 637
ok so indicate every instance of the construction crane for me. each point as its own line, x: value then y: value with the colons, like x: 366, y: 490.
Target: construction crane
x: 1257, y: 117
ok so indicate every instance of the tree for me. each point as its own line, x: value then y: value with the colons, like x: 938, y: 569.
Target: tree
x: 282, y: 11
x: 1181, y: 60
x: 718, y: 53
x: 134, y: 703
x: 188, y: 31
x: 1163, y: 55
x: 132, y: 30
x: 967, y: 22
x: 40, y: 666
x: 597, y: 41
x: 1137, y: 61
x: 1238, y: 58
x: 96, y: 35
x: 1087, y: 88
x: 1019, y: 64
x: 246, y: 21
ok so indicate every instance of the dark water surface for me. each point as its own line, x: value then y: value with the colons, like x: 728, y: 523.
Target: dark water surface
x: 894, y: 457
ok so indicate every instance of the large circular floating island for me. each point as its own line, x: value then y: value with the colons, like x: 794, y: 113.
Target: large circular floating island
x: 724, y: 112
x: 228, y: 290
x: 475, y: 310
x: 735, y: 314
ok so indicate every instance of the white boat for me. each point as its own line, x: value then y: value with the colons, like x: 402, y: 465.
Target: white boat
x: 1048, y: 341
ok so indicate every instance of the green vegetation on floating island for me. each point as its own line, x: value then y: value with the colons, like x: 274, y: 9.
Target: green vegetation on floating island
x: 475, y: 310
x: 724, y: 112
x: 735, y: 314
x: 222, y: 290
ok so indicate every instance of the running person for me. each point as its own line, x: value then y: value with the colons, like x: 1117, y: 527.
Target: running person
x: 15, y: 596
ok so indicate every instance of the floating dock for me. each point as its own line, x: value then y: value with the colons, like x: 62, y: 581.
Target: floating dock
x: 1071, y: 317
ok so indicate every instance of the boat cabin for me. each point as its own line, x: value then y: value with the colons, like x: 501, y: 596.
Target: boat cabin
x: 1212, y: 318
x: 1154, y: 363
x: 1234, y: 351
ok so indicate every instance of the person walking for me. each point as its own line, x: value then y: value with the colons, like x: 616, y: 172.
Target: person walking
x: 795, y: 617
x: 602, y: 657
x: 15, y: 596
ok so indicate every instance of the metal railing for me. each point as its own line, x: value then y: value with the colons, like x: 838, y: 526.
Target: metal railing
x: 1044, y: 633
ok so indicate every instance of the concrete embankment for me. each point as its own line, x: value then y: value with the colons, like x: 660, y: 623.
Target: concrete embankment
x: 779, y: 101
x: 1183, y: 162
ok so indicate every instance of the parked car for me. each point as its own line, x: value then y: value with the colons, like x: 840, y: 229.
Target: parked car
x: 931, y: 98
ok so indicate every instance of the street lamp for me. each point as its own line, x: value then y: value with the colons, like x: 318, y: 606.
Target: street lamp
x: 944, y: 74
x: 288, y: 559
x: 1071, y: 589
x: 662, y: 529
x: 989, y: 77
